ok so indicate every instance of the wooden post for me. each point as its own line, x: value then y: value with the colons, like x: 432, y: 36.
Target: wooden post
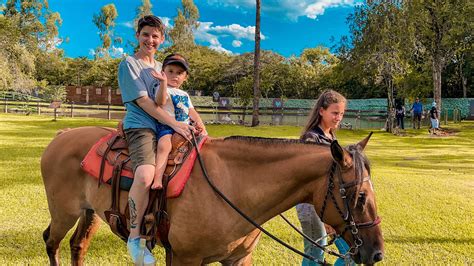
x: 72, y: 109
x: 446, y: 116
x: 38, y: 107
x: 55, y: 114
x: 6, y: 108
x: 108, y: 111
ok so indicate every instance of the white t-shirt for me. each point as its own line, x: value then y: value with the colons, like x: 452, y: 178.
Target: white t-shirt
x: 178, y: 104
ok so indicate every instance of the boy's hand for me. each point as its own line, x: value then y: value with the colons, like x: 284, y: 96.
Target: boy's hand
x: 159, y: 76
x: 201, y: 129
x: 183, y: 129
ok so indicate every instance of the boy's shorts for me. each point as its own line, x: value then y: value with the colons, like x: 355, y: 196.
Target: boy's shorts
x: 162, y: 130
x: 434, y: 123
x: 141, y: 146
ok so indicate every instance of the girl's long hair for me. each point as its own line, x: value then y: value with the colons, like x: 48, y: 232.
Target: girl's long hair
x: 326, y: 98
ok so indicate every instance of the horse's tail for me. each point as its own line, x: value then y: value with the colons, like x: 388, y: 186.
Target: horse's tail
x: 62, y: 131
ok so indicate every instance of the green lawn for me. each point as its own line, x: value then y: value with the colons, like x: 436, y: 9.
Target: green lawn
x: 424, y: 189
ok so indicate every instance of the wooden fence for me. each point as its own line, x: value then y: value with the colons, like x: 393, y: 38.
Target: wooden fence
x: 354, y: 119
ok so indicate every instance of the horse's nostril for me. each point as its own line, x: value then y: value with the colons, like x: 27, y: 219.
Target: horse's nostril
x: 378, y: 256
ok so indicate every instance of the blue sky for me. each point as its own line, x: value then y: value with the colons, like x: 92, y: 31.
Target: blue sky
x: 288, y: 26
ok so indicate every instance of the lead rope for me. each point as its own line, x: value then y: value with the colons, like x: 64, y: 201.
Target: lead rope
x: 201, y: 162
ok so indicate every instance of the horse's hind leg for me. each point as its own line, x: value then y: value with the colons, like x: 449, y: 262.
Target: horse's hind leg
x: 55, y: 232
x: 88, y: 224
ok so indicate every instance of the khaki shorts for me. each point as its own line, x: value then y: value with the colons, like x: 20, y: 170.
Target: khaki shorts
x: 141, y: 146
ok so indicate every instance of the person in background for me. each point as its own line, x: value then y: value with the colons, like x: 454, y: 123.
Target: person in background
x: 400, y: 114
x: 417, y: 109
x: 323, y: 121
x: 434, y: 118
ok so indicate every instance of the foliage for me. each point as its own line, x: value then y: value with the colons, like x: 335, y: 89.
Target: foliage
x: 391, y: 47
x: 53, y: 93
x: 184, y: 24
x: 105, y: 21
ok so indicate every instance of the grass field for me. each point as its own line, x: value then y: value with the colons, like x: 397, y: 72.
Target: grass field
x: 424, y: 189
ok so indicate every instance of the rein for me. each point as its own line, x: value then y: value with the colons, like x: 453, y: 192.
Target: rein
x: 347, y: 216
x: 246, y: 217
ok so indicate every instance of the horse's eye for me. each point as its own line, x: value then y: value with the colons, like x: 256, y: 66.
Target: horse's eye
x: 362, y: 199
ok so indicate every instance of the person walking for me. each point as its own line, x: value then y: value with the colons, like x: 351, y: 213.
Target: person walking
x: 417, y: 109
x: 323, y: 121
x: 400, y: 114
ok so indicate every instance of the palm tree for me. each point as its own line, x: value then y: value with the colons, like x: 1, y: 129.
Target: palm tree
x: 256, y: 71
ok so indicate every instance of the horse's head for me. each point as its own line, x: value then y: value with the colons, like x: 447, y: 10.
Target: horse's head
x: 349, y: 204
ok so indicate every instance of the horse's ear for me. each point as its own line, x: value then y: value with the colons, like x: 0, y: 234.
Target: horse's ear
x: 363, y: 142
x: 340, y: 155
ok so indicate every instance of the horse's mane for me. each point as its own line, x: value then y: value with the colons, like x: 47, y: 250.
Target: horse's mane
x: 360, y: 161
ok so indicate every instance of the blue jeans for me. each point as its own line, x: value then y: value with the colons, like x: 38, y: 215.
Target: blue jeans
x: 314, y: 228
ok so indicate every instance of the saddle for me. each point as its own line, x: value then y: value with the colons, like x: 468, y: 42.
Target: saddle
x: 115, y: 169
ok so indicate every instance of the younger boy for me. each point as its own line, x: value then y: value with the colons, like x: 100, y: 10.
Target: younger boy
x: 177, y: 104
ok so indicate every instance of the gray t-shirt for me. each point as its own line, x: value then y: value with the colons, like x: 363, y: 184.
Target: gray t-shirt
x: 135, y: 81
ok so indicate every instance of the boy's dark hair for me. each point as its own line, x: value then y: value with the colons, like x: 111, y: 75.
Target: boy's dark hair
x: 152, y: 21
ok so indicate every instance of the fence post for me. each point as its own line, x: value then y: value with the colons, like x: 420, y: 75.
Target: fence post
x: 38, y: 107
x: 108, y: 111
x: 6, y: 108
x: 446, y: 117
x: 72, y: 109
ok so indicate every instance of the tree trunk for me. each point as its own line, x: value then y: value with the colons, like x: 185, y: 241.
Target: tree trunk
x: 390, y: 107
x: 437, y: 70
x: 256, y: 69
x: 462, y: 77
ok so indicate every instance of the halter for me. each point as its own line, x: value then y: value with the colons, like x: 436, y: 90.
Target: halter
x: 347, y: 216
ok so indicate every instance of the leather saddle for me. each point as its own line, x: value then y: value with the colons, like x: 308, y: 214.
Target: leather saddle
x: 155, y: 225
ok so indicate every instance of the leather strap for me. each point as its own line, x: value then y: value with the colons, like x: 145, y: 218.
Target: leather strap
x: 104, y: 159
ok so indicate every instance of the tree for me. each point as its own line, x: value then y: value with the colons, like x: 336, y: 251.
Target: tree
x: 18, y: 66
x: 377, y: 30
x: 185, y: 23
x: 105, y: 21
x: 49, y: 39
x: 143, y: 10
x: 434, y: 26
x: 256, y: 69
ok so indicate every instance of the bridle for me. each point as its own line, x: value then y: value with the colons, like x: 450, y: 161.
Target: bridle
x: 348, y: 218
x: 350, y: 224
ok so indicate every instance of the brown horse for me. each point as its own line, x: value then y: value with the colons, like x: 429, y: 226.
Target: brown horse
x: 263, y: 177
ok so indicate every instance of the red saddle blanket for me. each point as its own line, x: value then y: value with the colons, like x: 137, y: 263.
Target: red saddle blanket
x: 92, y: 161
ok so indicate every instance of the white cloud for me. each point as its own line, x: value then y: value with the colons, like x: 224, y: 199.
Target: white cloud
x: 202, y: 34
x: 236, y: 43
x: 238, y: 31
x: 127, y: 24
x: 166, y: 21
x: 292, y: 9
x: 116, y: 52
x: 92, y: 52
